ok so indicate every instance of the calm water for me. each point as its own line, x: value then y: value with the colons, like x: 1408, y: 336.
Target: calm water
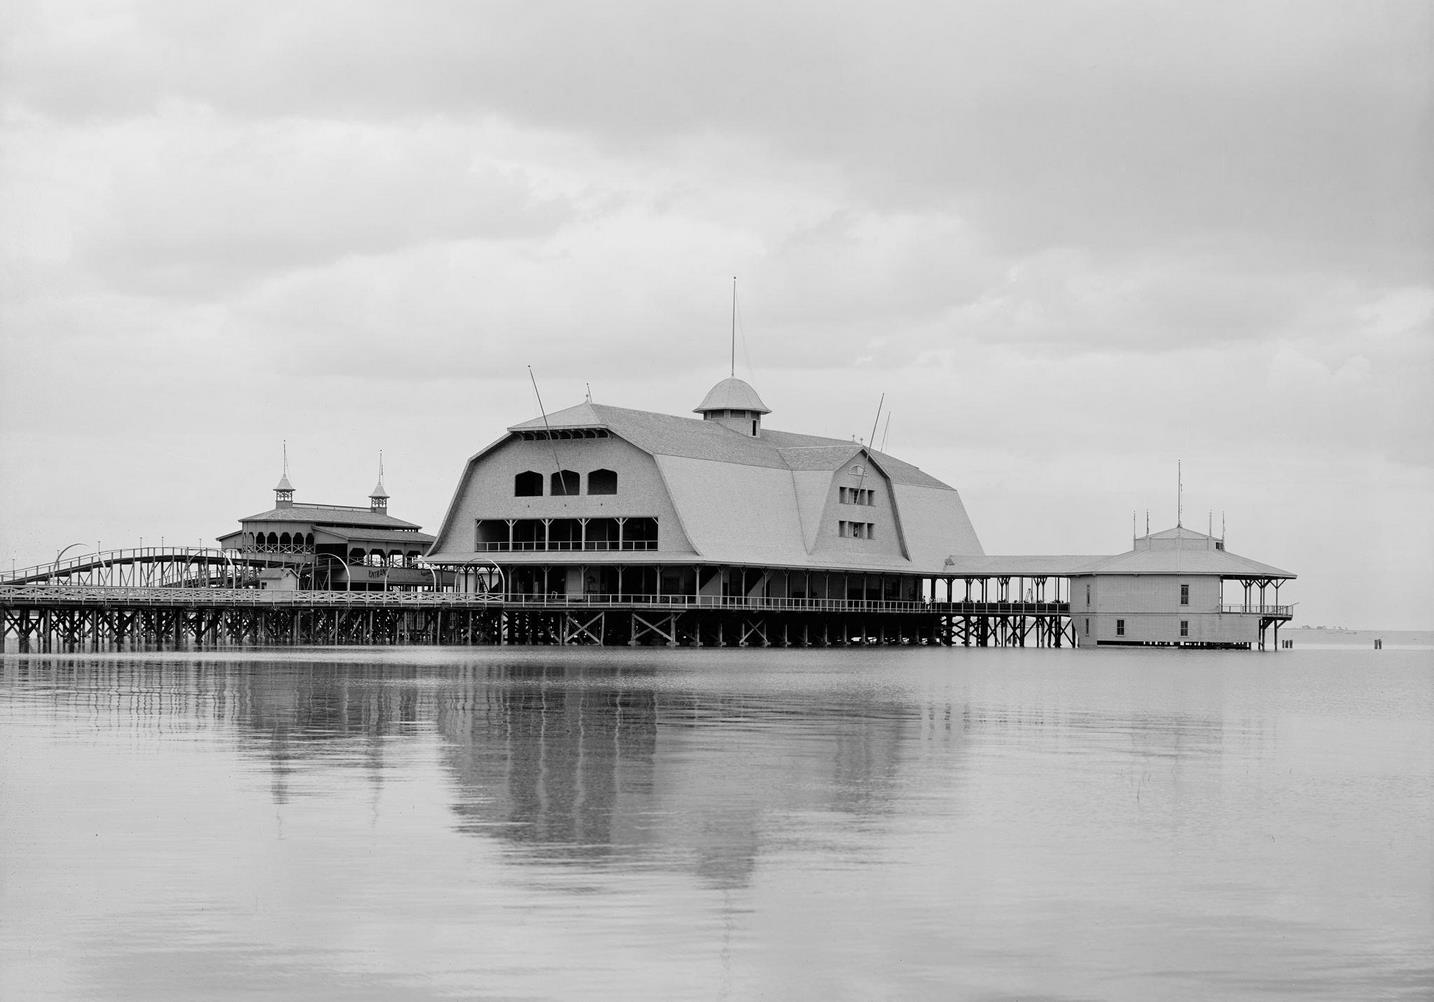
x: 904, y: 824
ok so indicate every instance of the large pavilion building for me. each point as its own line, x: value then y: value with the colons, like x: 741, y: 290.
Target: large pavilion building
x: 606, y: 501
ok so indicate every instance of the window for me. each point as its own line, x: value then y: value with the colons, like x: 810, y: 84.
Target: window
x: 856, y: 495
x: 856, y: 530
x: 857, y: 471
x: 1120, y: 627
x: 1087, y: 594
x: 528, y: 484
x: 602, y: 482
x: 1185, y: 627
x: 1087, y: 627
x: 566, y: 483
x: 1184, y: 594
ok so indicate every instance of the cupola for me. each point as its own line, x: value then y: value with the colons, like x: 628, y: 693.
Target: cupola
x: 378, y: 497
x: 283, y: 490
x: 734, y: 404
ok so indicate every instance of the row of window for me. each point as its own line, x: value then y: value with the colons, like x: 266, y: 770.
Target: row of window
x: 857, y: 495
x: 564, y: 483
x: 541, y: 534
x: 1184, y: 597
x: 856, y: 530
x: 277, y: 541
x: 1120, y: 626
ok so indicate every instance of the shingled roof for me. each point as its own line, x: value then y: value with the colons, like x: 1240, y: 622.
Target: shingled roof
x: 692, y: 438
x: 321, y: 514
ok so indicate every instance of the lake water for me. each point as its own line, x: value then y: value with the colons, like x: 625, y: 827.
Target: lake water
x: 718, y: 824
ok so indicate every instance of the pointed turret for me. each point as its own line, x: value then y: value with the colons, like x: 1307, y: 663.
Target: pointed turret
x: 283, y: 490
x: 378, y: 497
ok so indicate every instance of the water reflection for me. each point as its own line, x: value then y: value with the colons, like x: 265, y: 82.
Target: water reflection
x: 559, y: 761
x: 833, y: 824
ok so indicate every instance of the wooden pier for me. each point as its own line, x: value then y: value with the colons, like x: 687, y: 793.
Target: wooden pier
x: 55, y: 617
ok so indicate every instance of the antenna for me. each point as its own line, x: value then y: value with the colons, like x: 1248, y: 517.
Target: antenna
x: 733, y: 370
x: 286, y: 458
x: 1133, y: 534
x: 1179, y: 495
x: 885, y: 431
x: 557, y: 467
x: 1147, y: 521
x: 862, y: 479
x: 590, y: 391
x: 1222, y: 525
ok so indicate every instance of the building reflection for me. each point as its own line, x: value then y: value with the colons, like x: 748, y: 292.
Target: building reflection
x: 567, y: 764
x: 561, y: 762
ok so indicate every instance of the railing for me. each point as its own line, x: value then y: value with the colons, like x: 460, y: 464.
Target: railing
x: 566, y: 545
x: 1286, y: 611
x: 62, y: 595
x: 107, y: 560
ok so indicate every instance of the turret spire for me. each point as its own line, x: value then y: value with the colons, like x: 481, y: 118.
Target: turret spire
x: 283, y: 490
x: 378, y: 497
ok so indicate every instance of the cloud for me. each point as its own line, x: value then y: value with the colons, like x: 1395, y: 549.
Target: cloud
x: 1047, y: 125
x: 186, y: 203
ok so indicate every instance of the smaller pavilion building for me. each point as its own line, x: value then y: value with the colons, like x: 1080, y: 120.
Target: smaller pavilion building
x: 332, y: 546
x: 1177, y: 588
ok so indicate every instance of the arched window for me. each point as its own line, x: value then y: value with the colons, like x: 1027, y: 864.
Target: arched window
x: 273, y: 539
x: 308, y: 539
x: 528, y: 484
x: 566, y: 483
x: 284, y: 539
x: 602, y: 482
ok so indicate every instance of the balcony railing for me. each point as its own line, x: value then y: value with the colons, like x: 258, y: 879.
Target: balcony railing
x: 566, y: 545
x: 1283, y: 611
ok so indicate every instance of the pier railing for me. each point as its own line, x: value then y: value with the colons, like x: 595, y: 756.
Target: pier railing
x: 82, y: 595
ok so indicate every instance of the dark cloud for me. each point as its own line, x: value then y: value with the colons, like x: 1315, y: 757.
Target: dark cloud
x: 1042, y: 124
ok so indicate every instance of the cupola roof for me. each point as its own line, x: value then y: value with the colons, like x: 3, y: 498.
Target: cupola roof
x: 732, y: 394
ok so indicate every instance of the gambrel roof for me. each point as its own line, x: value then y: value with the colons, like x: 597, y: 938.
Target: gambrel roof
x: 762, y: 499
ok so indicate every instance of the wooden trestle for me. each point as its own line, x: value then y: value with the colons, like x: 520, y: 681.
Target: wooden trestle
x: 103, y: 618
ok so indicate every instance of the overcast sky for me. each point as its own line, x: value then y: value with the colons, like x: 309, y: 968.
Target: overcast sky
x: 1072, y: 243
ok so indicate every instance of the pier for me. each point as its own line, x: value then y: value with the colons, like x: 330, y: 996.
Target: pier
x: 62, y: 617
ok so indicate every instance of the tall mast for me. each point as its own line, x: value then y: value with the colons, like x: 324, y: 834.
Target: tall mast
x: 732, y: 371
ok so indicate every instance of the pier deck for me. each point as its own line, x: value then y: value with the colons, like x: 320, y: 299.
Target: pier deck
x: 68, y: 617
